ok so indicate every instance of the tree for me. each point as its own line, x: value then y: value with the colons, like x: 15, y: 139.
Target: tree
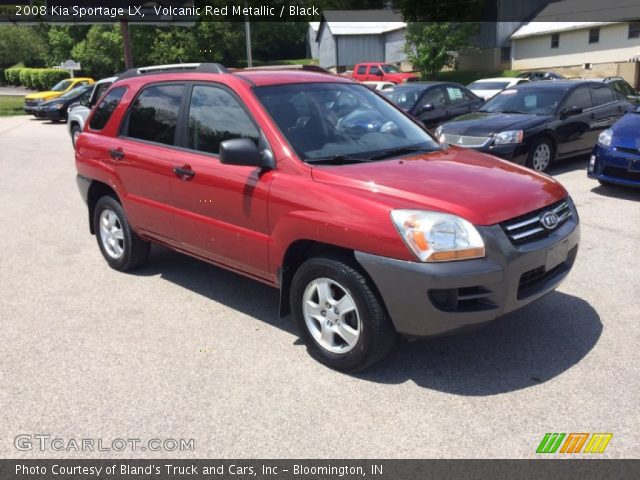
x: 432, y: 46
x: 101, y: 52
x: 21, y: 44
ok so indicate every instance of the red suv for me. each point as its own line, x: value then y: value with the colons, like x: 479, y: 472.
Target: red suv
x: 316, y: 185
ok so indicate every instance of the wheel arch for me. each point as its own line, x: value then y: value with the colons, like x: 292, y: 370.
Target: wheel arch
x: 96, y: 191
x: 301, y: 250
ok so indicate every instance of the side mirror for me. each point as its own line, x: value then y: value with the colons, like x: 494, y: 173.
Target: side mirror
x: 570, y: 111
x: 244, y: 151
x: 379, y: 73
x: 427, y: 107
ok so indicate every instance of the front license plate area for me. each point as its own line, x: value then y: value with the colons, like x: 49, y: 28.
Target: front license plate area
x: 556, y: 255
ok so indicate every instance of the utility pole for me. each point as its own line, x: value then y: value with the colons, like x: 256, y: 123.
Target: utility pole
x: 247, y: 34
x: 126, y: 41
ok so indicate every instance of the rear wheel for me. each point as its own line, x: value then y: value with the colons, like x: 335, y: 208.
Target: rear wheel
x: 75, y: 133
x: 540, y: 155
x: 339, y: 317
x: 121, y: 247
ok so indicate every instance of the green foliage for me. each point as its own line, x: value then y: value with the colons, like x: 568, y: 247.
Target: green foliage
x: 12, y: 75
x: 25, y: 77
x: 441, y: 11
x: 20, y: 44
x: 101, y: 52
x: 11, y: 105
x: 430, y: 47
x: 48, y: 77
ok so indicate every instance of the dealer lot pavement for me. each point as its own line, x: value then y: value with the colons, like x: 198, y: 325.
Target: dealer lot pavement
x: 182, y: 349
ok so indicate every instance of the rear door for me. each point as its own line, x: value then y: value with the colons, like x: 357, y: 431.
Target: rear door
x: 607, y: 108
x: 144, y: 155
x: 575, y: 133
x: 221, y: 210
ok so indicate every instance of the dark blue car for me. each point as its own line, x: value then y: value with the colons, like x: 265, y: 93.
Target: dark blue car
x: 616, y: 157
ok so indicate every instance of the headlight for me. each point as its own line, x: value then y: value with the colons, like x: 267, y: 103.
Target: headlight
x: 510, y: 136
x: 604, y: 138
x: 438, y: 134
x: 438, y: 237
x: 60, y: 106
x: 39, y: 100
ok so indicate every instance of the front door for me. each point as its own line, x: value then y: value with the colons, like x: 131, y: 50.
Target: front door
x: 221, y: 210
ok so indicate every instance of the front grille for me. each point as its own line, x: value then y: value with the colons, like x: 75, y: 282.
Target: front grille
x: 534, y: 280
x: 622, y: 173
x: 528, y: 227
x: 467, y: 299
x: 633, y: 151
x: 30, y: 103
x: 466, y: 140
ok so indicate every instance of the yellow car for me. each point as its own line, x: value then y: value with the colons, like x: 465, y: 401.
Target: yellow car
x: 32, y: 100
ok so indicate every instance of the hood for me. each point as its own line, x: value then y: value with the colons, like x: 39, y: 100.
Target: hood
x: 52, y: 103
x: 478, y: 187
x: 400, y: 75
x: 625, y: 131
x: 479, y: 124
x: 45, y: 95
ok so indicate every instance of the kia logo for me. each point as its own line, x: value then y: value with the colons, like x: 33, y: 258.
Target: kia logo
x: 549, y: 220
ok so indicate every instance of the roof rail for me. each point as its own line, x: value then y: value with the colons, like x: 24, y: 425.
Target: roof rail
x: 175, y: 68
x: 309, y: 68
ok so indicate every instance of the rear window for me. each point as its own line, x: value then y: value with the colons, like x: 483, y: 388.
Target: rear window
x: 154, y: 114
x: 106, y: 107
x: 602, y: 94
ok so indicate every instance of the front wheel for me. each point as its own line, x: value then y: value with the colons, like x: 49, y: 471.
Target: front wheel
x: 540, y: 155
x: 339, y: 317
x: 75, y: 133
x: 121, y: 247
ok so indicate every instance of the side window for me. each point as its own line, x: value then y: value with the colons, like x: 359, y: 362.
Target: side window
x: 374, y: 70
x: 435, y: 96
x: 154, y: 114
x: 98, y: 91
x: 455, y: 95
x: 215, y: 116
x: 580, y: 97
x: 362, y: 69
x: 105, y: 109
x: 601, y: 95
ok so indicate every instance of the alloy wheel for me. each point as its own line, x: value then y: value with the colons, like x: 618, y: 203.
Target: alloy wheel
x: 111, y: 233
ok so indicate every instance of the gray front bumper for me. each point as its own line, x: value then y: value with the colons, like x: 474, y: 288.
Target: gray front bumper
x: 430, y: 299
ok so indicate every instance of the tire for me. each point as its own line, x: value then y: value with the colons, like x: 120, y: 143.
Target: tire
x: 604, y: 183
x: 121, y: 247
x: 351, y: 340
x: 75, y: 132
x: 541, y: 155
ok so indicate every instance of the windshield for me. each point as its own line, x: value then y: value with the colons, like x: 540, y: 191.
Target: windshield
x: 327, y: 120
x: 75, y: 92
x: 488, y: 85
x: 61, y: 86
x: 404, y: 97
x: 537, y: 102
x: 389, y: 69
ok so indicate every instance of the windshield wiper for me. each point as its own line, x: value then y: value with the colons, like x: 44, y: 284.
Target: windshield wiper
x: 337, y: 159
x: 400, y: 151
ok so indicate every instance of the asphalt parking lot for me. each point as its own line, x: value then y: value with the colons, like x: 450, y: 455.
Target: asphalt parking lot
x: 182, y: 349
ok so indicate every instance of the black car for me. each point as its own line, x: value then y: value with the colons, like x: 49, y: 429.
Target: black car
x: 535, y: 123
x: 56, y: 109
x: 433, y: 102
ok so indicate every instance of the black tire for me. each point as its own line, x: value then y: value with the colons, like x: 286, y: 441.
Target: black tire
x: 75, y: 130
x: 377, y: 336
x: 135, y: 251
x: 604, y: 183
x: 541, y: 143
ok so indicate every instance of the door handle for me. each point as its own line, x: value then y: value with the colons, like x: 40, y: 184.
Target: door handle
x: 592, y: 116
x: 184, y: 173
x: 116, y: 153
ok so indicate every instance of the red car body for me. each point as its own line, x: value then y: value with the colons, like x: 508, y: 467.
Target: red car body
x: 258, y: 222
x: 375, y: 72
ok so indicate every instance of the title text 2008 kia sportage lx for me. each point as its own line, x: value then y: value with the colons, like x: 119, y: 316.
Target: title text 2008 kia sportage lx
x: 316, y: 185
